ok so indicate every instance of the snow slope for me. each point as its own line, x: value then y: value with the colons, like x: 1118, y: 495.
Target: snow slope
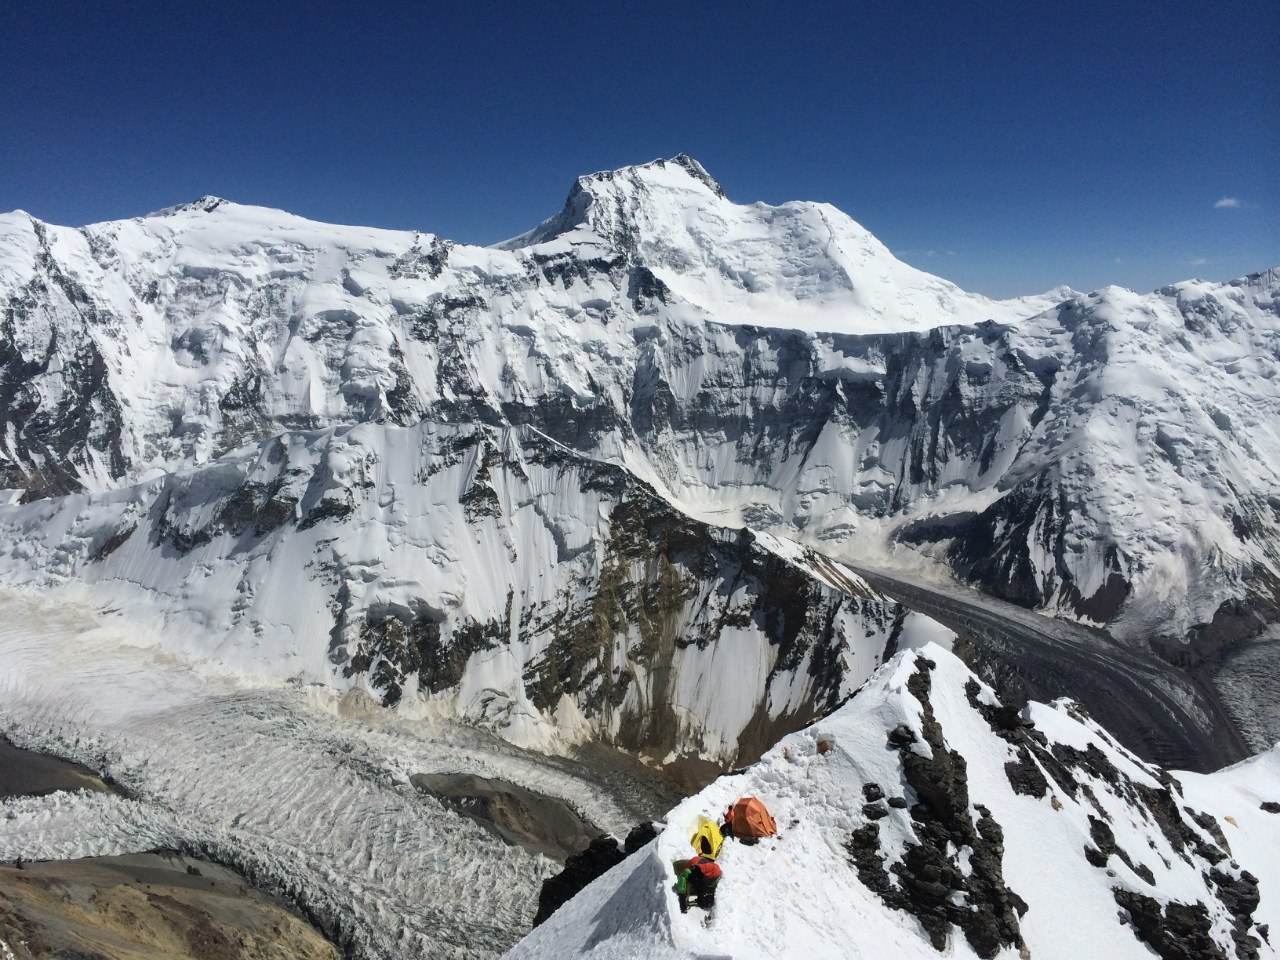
x: 923, y: 817
x: 806, y: 266
x: 471, y: 572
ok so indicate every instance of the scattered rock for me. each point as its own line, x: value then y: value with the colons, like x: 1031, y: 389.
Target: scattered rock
x: 901, y: 736
x: 1176, y: 931
x: 1025, y: 775
x: 931, y: 884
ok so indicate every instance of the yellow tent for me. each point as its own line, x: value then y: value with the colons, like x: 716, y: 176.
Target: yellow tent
x: 705, y: 837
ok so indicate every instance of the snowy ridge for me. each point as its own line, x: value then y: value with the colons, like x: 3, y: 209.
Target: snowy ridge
x: 923, y: 816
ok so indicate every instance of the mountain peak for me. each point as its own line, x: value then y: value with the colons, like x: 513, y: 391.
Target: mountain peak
x: 609, y: 202
x: 656, y: 173
x: 698, y: 172
x: 203, y: 204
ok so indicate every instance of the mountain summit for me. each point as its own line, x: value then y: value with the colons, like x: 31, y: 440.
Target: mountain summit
x: 804, y: 265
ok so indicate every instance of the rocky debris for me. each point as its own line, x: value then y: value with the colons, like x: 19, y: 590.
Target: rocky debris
x: 1175, y: 931
x: 1104, y: 846
x: 1025, y: 775
x: 1271, y: 806
x: 148, y: 907
x: 931, y: 884
x: 1239, y: 894
x: 602, y: 854
x: 520, y: 816
x: 1209, y: 824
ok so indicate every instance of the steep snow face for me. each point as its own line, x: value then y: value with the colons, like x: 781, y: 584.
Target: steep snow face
x: 801, y: 265
x: 1110, y: 459
x: 1148, y: 496
x: 473, y: 572
x: 924, y: 816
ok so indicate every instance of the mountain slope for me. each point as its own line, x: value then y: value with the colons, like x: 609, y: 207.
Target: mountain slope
x: 924, y: 816
x: 487, y: 574
x: 1109, y: 458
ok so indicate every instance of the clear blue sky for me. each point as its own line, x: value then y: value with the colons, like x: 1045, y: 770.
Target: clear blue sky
x: 1006, y: 146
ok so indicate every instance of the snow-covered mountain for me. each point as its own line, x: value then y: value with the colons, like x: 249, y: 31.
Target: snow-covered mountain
x: 483, y: 573
x: 559, y: 484
x: 925, y: 817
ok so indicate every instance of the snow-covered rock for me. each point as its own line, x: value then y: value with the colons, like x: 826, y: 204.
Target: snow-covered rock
x: 482, y: 573
x: 925, y: 817
x: 1110, y: 458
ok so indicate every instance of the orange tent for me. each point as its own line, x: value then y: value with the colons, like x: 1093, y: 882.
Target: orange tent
x: 751, y: 819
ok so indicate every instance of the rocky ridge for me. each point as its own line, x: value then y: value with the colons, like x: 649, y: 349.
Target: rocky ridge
x: 945, y: 820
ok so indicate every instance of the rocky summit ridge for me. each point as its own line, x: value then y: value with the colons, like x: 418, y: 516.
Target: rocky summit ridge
x: 925, y: 818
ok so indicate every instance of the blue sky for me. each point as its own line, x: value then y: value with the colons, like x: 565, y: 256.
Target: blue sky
x: 1006, y: 146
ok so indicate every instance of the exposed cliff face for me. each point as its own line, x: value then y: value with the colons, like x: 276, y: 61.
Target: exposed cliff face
x: 1109, y: 458
x: 490, y: 572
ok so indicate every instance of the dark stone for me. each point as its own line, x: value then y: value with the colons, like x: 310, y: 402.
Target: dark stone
x: 1177, y: 931
x: 1209, y: 824
x: 874, y: 811
x: 602, y: 854
x: 928, y: 873
x: 1271, y: 806
x: 1025, y: 776
x: 1241, y: 898
x: 872, y: 791
x: 1104, y: 846
x: 898, y: 803
x: 901, y: 736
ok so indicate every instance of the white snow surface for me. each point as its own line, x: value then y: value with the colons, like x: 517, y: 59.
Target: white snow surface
x: 271, y: 564
x: 799, y: 895
x: 801, y: 265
